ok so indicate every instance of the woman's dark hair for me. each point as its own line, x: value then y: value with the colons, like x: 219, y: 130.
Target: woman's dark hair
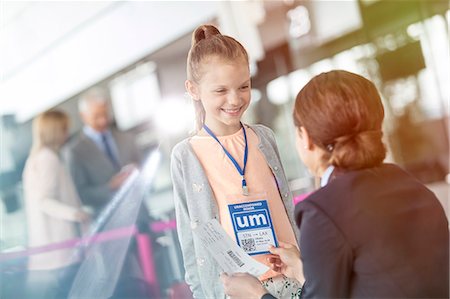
x: 343, y: 114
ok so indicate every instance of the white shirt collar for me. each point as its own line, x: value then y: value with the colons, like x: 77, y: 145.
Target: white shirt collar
x: 326, y: 176
x: 95, y: 135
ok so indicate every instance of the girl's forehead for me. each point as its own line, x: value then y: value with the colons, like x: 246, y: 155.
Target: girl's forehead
x: 216, y: 60
x: 215, y: 66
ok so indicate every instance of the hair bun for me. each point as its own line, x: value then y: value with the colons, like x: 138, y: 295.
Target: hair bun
x: 355, y: 151
x: 204, y: 32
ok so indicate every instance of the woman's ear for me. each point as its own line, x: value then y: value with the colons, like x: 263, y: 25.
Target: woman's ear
x: 305, y: 139
x: 192, y: 89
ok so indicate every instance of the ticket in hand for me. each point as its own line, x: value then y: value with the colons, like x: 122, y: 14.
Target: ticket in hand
x: 230, y: 257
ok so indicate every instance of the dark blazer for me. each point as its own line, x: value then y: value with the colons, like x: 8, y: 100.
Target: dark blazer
x: 376, y: 233
x: 91, y: 169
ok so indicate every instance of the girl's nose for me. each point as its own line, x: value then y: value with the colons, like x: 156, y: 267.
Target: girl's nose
x: 234, y: 98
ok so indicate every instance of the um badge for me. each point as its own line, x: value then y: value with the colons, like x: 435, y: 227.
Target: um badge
x: 253, y: 227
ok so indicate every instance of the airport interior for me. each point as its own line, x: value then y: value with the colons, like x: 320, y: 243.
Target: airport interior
x: 51, y: 53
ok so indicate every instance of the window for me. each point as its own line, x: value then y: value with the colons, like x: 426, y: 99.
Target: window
x: 135, y: 96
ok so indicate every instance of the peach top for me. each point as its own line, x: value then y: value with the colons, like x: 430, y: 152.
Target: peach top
x: 226, y: 182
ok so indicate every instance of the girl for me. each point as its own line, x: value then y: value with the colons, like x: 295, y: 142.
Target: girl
x: 227, y: 165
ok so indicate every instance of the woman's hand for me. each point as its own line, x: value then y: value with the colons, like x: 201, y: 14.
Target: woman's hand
x: 287, y: 262
x: 84, y: 219
x: 82, y: 216
x: 242, y: 285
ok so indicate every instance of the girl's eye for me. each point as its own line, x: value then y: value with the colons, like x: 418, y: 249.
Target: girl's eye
x: 220, y: 90
x: 245, y: 87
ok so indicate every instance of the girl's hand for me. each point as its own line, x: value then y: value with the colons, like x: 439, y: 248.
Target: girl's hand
x: 242, y: 285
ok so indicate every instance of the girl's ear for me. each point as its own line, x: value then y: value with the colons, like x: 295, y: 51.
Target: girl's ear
x: 304, y: 137
x: 192, y: 89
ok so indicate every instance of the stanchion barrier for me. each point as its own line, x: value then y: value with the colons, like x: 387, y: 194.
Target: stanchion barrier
x: 97, y: 238
x: 144, y: 247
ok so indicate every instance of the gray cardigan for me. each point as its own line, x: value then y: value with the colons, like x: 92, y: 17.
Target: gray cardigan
x: 195, y: 204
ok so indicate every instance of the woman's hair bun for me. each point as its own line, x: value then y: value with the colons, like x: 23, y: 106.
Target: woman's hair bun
x: 360, y: 150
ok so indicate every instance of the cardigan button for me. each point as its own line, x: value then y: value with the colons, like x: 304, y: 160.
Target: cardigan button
x: 194, y: 223
x: 197, y: 187
x: 200, y: 261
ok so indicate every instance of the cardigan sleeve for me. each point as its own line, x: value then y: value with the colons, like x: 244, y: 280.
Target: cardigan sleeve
x: 282, y: 182
x: 185, y: 235
x: 327, y: 256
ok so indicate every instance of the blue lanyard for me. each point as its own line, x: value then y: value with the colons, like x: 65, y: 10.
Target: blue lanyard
x: 236, y: 164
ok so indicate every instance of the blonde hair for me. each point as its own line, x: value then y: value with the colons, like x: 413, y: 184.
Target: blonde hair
x: 207, y: 42
x: 50, y: 130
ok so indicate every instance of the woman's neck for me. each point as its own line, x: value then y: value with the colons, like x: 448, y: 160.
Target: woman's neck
x: 321, y: 170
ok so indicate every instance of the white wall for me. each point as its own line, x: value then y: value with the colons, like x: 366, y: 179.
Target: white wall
x: 54, y: 50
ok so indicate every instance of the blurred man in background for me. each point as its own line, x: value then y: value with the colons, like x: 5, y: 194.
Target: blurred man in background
x: 100, y: 158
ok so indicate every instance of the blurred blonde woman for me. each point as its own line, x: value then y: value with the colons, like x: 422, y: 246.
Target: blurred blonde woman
x: 53, y: 207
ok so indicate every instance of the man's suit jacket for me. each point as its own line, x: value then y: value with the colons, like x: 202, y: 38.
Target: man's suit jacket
x: 374, y: 233
x: 92, y: 170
